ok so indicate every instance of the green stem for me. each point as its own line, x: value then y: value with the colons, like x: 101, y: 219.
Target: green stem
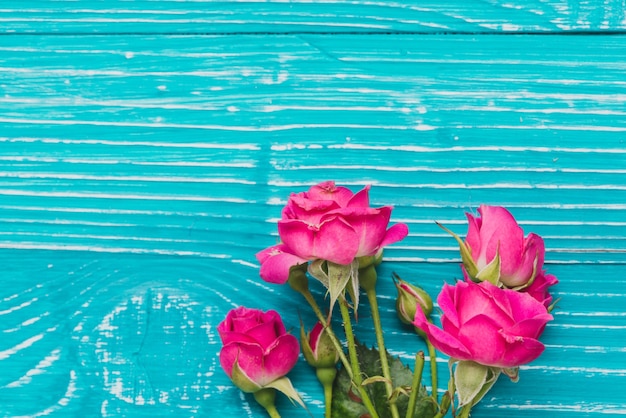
x: 347, y: 325
x: 384, y: 363
x: 326, y: 377
x: 465, y: 411
x: 328, y: 399
x: 273, y: 412
x: 433, y: 369
x: 329, y: 331
x: 415, y: 386
x: 354, y: 360
x: 265, y: 397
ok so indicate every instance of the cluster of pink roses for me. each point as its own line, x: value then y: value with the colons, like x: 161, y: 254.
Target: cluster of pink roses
x: 490, y: 322
x: 498, y: 320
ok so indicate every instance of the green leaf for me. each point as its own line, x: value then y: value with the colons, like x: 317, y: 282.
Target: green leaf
x: 346, y: 399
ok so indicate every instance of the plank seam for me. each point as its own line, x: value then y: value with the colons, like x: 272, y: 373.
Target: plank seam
x: 619, y: 32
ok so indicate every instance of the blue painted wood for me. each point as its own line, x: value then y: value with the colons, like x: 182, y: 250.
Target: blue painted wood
x: 140, y: 174
x: 337, y: 16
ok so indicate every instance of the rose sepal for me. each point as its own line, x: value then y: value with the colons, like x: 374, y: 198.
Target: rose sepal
x: 491, y: 272
x: 242, y: 381
x: 283, y: 385
x: 472, y: 381
x: 337, y: 278
x: 466, y: 253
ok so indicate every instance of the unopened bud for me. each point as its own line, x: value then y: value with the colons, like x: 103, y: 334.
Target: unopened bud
x: 318, y: 348
x: 410, y: 298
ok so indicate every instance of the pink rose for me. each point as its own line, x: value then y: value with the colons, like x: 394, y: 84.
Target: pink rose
x: 497, y: 230
x: 256, y: 344
x: 330, y: 223
x: 486, y: 324
x: 539, y: 288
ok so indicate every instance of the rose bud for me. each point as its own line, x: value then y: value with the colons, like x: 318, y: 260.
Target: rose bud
x: 256, y: 348
x: 317, y: 347
x: 496, y: 234
x: 410, y: 298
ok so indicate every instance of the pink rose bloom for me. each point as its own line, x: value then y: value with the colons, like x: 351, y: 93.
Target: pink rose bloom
x: 331, y: 223
x: 257, y: 343
x: 497, y: 229
x: 540, y: 287
x: 488, y: 325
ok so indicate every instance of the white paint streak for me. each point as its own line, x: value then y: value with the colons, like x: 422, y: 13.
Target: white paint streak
x: 112, y: 250
x: 114, y: 196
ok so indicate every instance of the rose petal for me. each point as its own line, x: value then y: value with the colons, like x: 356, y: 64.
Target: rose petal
x: 275, y: 263
x: 396, y: 233
x: 481, y: 335
x: 370, y: 226
x: 447, y: 302
x: 472, y: 238
x: 539, y: 288
x: 266, y: 333
x: 440, y: 339
x: 279, y: 359
x: 250, y: 359
x: 234, y: 336
x: 531, y: 327
x: 501, y: 299
x: 360, y: 199
x: 248, y: 356
x: 533, y: 255
x: 520, y: 351
x: 305, y: 209
x: 329, y: 191
x: 448, y: 326
x: 478, y: 299
x: 315, y: 335
x: 334, y: 240
x: 235, y: 318
x: 499, y: 229
x: 524, y: 306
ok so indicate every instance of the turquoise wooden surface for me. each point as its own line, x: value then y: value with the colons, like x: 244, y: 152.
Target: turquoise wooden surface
x: 326, y: 16
x: 147, y: 147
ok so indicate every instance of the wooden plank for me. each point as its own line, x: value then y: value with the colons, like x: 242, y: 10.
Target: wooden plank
x: 194, y: 16
x: 139, y: 175
x: 194, y: 134
x: 132, y: 335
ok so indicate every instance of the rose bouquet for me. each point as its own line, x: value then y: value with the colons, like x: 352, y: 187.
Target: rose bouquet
x: 490, y: 322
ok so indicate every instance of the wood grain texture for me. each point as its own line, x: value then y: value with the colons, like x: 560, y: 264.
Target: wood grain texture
x: 140, y: 174
x: 337, y: 16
